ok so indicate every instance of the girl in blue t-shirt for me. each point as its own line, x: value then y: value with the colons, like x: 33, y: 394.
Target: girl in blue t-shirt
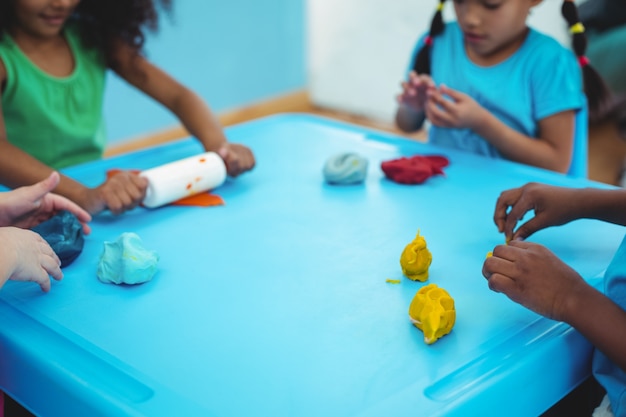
x: 489, y: 84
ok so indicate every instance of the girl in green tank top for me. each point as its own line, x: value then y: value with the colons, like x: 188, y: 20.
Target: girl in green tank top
x: 53, y: 60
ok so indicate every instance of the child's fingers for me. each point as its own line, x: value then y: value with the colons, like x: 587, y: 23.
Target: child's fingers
x: 34, y: 193
x: 407, y: 89
x: 125, y: 191
x: 453, y: 94
x: 43, y: 280
x: 62, y: 203
x: 497, y: 271
x: 239, y: 159
x: 427, y: 81
x: 44, y: 187
x: 437, y: 116
x: 501, y: 284
x: 527, y: 228
x: 52, y: 266
x: 438, y: 98
x: 505, y: 200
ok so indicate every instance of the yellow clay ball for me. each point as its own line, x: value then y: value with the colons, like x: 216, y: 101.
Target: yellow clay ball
x: 432, y: 311
x: 415, y: 259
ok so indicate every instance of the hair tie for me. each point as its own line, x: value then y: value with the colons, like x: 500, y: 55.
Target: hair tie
x: 577, y: 28
x: 440, y: 7
x: 428, y: 40
x: 583, y: 61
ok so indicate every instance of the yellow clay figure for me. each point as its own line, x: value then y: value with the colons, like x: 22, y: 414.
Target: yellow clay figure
x: 432, y: 311
x: 416, y: 259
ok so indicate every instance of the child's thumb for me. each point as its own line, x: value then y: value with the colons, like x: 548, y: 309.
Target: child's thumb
x: 45, y: 186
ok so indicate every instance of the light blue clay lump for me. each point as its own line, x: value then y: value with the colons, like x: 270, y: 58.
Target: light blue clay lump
x: 126, y: 261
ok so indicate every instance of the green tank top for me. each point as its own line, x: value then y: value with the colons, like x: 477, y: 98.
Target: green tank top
x: 58, y: 120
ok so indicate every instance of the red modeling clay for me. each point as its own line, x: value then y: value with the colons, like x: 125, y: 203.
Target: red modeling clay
x: 415, y: 169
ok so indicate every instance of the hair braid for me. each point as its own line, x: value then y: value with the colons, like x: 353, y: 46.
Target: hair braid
x: 422, y: 60
x: 598, y: 94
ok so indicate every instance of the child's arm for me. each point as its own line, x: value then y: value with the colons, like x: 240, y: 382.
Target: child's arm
x: 120, y: 193
x: 534, y: 277
x: 551, y: 150
x: 411, y: 114
x: 553, y: 206
x: 191, y: 110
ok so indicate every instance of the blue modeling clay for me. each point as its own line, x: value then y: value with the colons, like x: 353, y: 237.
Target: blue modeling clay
x: 64, y: 234
x: 126, y: 261
x: 345, y: 168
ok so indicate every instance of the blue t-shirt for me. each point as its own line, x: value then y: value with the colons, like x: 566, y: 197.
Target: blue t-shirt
x: 609, y: 375
x: 540, y: 79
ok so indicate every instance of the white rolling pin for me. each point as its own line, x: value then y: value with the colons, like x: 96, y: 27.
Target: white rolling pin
x: 183, y: 178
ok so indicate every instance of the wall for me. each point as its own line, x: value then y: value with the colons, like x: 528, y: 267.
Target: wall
x: 232, y: 53
x: 359, y: 50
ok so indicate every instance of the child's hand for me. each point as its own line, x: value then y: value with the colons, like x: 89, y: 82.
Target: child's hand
x: 122, y: 192
x: 552, y: 206
x: 534, y: 277
x: 460, y: 112
x: 26, y: 256
x: 238, y: 158
x: 414, y: 91
x: 26, y: 207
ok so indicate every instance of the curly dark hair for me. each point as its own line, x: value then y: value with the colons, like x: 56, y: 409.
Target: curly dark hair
x: 103, y: 23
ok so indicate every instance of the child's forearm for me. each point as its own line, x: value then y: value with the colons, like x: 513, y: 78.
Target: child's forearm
x: 600, y: 320
x: 18, y: 169
x: 199, y: 120
x: 518, y: 147
x: 608, y: 205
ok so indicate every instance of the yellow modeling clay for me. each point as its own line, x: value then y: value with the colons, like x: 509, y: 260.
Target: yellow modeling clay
x: 392, y: 281
x: 432, y: 311
x: 416, y: 259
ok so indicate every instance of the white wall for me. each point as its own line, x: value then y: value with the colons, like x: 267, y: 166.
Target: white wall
x: 359, y: 50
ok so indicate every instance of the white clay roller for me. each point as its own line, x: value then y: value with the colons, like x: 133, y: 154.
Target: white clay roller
x: 183, y: 178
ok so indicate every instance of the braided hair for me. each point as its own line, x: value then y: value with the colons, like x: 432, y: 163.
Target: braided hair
x: 422, y: 61
x: 596, y: 90
x: 598, y: 94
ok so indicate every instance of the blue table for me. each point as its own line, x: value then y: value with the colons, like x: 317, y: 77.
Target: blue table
x: 277, y: 304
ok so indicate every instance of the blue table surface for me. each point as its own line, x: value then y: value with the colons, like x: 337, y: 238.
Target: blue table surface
x: 277, y: 304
